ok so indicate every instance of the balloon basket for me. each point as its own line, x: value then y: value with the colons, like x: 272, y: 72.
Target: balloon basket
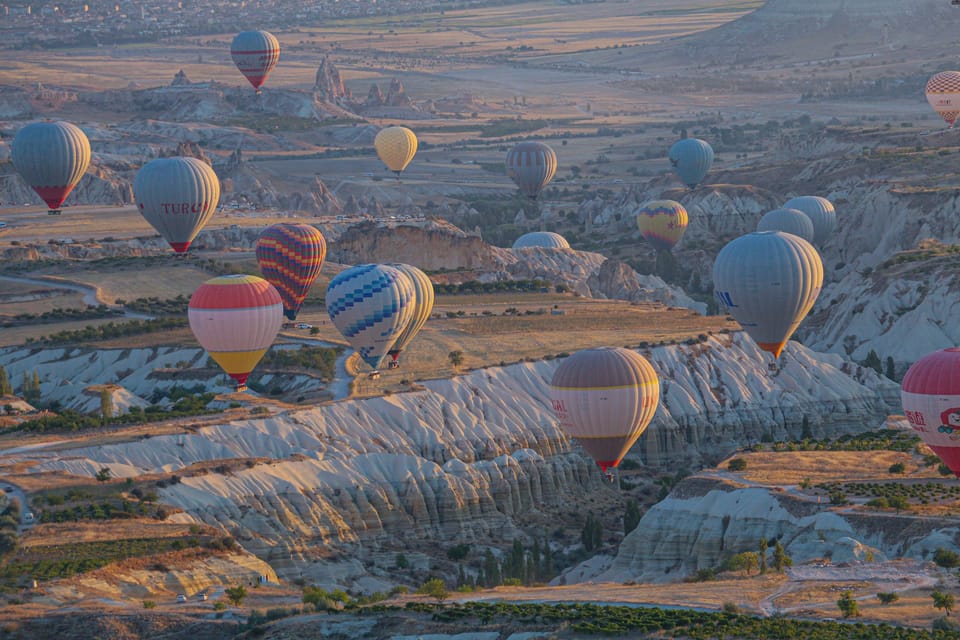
x: 54, y: 212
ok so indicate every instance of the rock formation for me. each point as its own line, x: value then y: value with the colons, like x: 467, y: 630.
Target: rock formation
x: 396, y: 96
x: 705, y: 521
x: 328, y: 85
x: 180, y: 79
x: 374, y: 97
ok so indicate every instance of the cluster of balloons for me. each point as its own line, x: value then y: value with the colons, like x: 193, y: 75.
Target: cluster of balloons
x: 379, y: 309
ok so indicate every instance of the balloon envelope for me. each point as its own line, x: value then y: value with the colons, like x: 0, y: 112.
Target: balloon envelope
x: 422, y: 306
x: 177, y: 196
x: 290, y: 257
x: 605, y: 398
x: 255, y: 53
x: 768, y: 281
x: 930, y: 394
x: 821, y: 214
x: 396, y: 147
x: 691, y: 158
x: 371, y: 305
x: 51, y: 157
x: 545, y: 239
x: 531, y: 166
x: 943, y: 94
x: 236, y: 319
x: 662, y: 223
x: 789, y: 221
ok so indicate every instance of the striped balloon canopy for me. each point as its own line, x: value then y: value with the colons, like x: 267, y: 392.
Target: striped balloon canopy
x: 662, y: 223
x: 290, y: 257
x: 605, y: 398
x: 943, y: 94
x: 395, y: 146
x: 768, y: 281
x: 789, y: 221
x: 531, y: 166
x: 236, y: 318
x: 422, y: 307
x: 691, y: 158
x: 821, y: 214
x: 51, y: 157
x: 371, y: 305
x: 255, y: 53
x: 177, y: 196
x: 542, y: 239
x: 930, y: 394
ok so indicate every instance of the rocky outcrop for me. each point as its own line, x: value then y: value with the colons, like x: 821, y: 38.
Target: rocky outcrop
x: 616, y: 280
x: 328, y: 85
x: 180, y: 79
x: 705, y: 521
x: 396, y: 96
x: 374, y: 97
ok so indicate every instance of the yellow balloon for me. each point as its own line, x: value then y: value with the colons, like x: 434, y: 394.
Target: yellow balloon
x: 396, y: 147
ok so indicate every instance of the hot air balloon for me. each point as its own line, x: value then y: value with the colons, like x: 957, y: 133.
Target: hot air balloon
x: 396, y: 147
x: 236, y: 318
x: 531, y: 165
x: 943, y: 94
x: 290, y: 258
x: 255, y: 53
x: 545, y: 239
x: 422, y: 307
x: 371, y: 305
x: 789, y: 221
x: 51, y: 157
x: 768, y: 281
x: 691, y: 159
x: 930, y: 394
x: 821, y: 214
x: 605, y: 398
x: 177, y: 196
x: 662, y: 223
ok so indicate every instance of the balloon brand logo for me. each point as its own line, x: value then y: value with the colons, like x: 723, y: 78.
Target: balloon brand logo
x: 559, y: 407
x: 183, y: 207
x: 915, y: 418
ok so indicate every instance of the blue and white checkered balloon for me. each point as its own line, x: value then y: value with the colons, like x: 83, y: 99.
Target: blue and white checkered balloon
x: 370, y: 304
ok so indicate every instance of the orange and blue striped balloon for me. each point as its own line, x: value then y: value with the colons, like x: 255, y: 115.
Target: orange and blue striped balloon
x: 662, y: 223
x: 236, y: 319
x: 290, y: 258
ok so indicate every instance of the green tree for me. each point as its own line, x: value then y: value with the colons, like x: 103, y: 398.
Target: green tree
x: 236, y: 594
x: 456, y: 358
x: 666, y: 266
x: 106, y: 404
x: 888, y: 597
x: 805, y: 432
x: 762, y: 555
x: 8, y: 542
x: 891, y: 371
x: 746, y: 561
x: 897, y: 467
x: 6, y: 389
x: 401, y: 561
x: 897, y: 502
x: 847, y: 605
x: 631, y: 518
x: 737, y: 464
x: 943, y: 601
x: 946, y: 558
x: 435, y: 588
x: 873, y: 361
x: 780, y: 558
x: 104, y: 474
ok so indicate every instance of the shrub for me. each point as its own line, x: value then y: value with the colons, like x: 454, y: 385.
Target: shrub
x: 737, y: 464
x: 946, y: 558
x: 897, y: 467
x: 149, y: 604
x: 887, y: 597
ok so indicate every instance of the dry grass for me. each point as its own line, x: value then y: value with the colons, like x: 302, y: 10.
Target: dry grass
x: 97, y: 531
x: 790, y: 468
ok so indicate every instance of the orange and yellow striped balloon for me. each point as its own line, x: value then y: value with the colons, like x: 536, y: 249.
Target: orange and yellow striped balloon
x: 236, y: 319
x: 290, y: 258
x: 662, y: 223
